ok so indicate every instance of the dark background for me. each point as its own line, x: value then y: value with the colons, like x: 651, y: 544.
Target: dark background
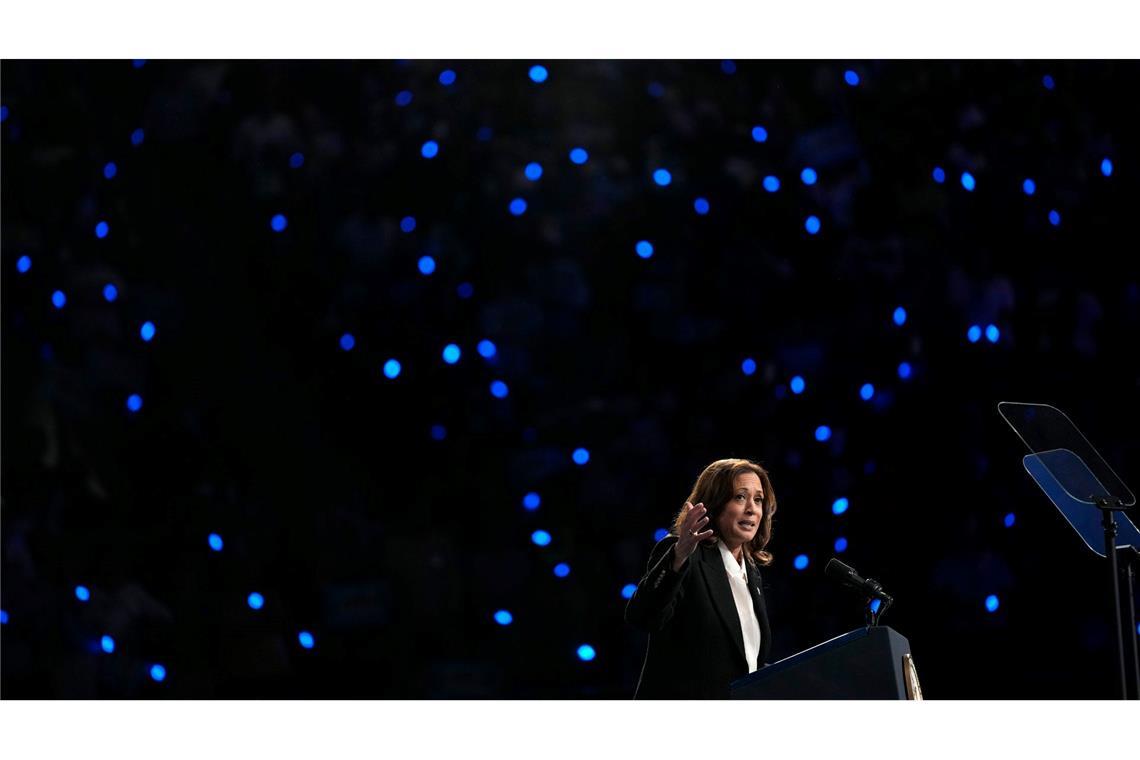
x: 395, y: 549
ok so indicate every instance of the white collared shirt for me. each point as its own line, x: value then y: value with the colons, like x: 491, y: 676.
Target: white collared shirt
x: 749, y: 625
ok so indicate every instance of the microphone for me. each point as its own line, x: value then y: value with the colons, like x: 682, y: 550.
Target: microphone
x: 847, y: 576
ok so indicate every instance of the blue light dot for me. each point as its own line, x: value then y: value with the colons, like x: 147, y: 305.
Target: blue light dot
x: 656, y: 90
x: 408, y: 224
x: 426, y: 265
x: 586, y: 653
x: 429, y: 149
x: 256, y: 601
x: 502, y: 617
x: 627, y: 590
x: 759, y: 134
x: 992, y: 603
x: 822, y: 433
x: 465, y: 290
x: 851, y: 77
x: 1009, y: 520
x: 992, y: 333
x: 1055, y: 218
x: 518, y: 207
x: 540, y: 538
x: 728, y: 67
x: 486, y: 349
x: 347, y: 342
x: 533, y: 171
x: 23, y: 264
x: 811, y: 224
x: 808, y: 176
x: 110, y: 293
x: 840, y: 505
x: 147, y: 331
x: 701, y: 206
x: 1106, y: 167
x: 134, y: 402
x: 1029, y: 187
x: 840, y: 545
x: 58, y: 299
x: 538, y: 74
x: 451, y: 353
x: 867, y: 391
x: 797, y: 384
x: 110, y: 170
x: 137, y: 137
x: 968, y: 181
x: 107, y: 644
x: 305, y: 639
x: 278, y: 223
x: 403, y: 98
x: 215, y: 542
x: 875, y: 605
x: 499, y: 389
x: 660, y: 534
x: 447, y: 77
x: 438, y: 432
x: 157, y: 673
x: 905, y: 370
x: 3, y: 113
x: 899, y: 316
x: 82, y: 593
x: 1048, y: 82
x: 581, y: 456
x: 561, y: 570
x: 662, y: 177
x: 138, y: 63
x: 532, y: 501
x: 102, y: 229
x: 974, y: 334
x: 801, y: 562
x: 771, y: 183
x: 939, y: 174
x: 748, y: 366
x: 296, y: 161
x: 644, y: 249
x: 4, y: 613
x: 579, y: 156
x: 392, y: 369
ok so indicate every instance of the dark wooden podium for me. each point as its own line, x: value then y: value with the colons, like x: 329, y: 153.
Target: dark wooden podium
x: 868, y: 663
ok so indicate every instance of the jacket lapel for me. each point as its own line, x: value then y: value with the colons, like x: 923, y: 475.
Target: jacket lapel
x: 721, y: 594
x: 761, y: 612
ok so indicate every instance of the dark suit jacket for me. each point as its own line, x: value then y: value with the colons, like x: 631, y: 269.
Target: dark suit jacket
x: 695, y: 644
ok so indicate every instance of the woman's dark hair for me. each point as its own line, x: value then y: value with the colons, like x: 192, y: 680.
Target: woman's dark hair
x: 715, y: 487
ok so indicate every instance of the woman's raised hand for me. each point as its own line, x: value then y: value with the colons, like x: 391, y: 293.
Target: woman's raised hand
x: 695, y: 519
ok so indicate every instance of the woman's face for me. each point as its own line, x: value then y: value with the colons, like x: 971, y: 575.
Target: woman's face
x: 740, y: 520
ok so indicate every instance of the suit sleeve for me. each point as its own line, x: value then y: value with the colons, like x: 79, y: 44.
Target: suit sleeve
x: 659, y: 591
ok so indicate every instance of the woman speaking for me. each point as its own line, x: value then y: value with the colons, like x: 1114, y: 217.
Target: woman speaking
x: 700, y: 599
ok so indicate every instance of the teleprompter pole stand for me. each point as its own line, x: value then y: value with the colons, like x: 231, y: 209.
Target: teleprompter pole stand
x: 1107, y: 507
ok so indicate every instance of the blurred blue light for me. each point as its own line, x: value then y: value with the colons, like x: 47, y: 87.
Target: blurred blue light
x: 759, y: 134
x: 808, y: 176
x: 256, y: 601
x: 644, y: 249
x: 408, y: 224
x: 840, y: 505
x: 102, y: 229
x: 451, y: 353
x: 771, y: 183
x: 659, y: 534
x: 1029, y: 187
x: 465, y: 290
x: 1009, y: 520
x: 811, y: 224
x: 701, y: 206
x: 797, y: 384
x: 656, y: 90
x: 561, y: 570
x: 974, y: 334
x: 486, y: 349
x: 728, y: 67
x: 392, y: 369
x: 801, y: 562
x: 968, y: 181
x: 540, y: 538
x: 899, y: 316
x: 403, y: 98
x: 533, y: 171
x: 627, y: 590
x: 296, y: 161
x: 157, y: 673
x: 23, y: 264
x: 4, y: 613
x: 305, y: 639
x: 876, y: 604
x: 3, y: 113
x: 1106, y: 167
x: 518, y: 207
x: 138, y: 63
x: 939, y: 174
x: 822, y: 433
x: 429, y: 149
x: 580, y: 456
x: 58, y: 299
x: 110, y: 293
x: 1048, y: 82
x: 82, y: 593
x: 107, y: 644
x: 426, y: 265
x: 447, y: 77
x: 867, y: 391
x: 586, y: 653
x: 851, y: 77
x: 215, y: 542
x: 110, y: 170
x: 499, y: 389
x: 347, y: 342
x: 147, y: 331
x: 134, y: 402
x: 992, y: 333
x: 840, y: 545
x: 662, y: 177
x: 579, y: 156
x: 992, y: 603
x: 748, y: 366
x: 1054, y: 218
x: 438, y: 432
x: 502, y: 617
x: 532, y: 501
x: 538, y: 74
x: 905, y: 370
x: 278, y: 223
x: 137, y: 137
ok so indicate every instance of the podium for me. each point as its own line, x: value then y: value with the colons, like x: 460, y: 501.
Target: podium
x: 868, y: 663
